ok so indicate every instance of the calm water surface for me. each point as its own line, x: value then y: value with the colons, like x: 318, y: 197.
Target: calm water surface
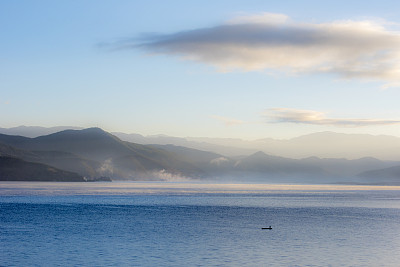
x: 183, y: 224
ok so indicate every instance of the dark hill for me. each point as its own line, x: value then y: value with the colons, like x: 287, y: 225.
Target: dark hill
x: 58, y: 159
x: 13, y: 169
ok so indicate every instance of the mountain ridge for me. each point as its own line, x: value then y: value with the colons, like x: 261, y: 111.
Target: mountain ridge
x: 95, y: 153
x: 112, y: 156
x: 321, y: 144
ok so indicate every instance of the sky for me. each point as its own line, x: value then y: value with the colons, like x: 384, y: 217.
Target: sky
x: 236, y: 69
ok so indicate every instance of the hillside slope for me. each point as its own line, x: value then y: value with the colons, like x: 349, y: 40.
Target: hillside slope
x: 13, y: 169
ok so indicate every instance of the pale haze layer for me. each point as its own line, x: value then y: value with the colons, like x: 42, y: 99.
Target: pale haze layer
x: 236, y: 69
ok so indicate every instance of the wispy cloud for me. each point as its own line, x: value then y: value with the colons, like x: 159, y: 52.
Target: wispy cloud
x: 350, y: 49
x: 286, y: 115
x: 163, y: 175
x: 227, y: 121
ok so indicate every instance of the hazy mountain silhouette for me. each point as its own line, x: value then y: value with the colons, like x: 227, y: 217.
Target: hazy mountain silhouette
x: 337, y: 145
x: 189, y: 154
x: 261, y: 162
x: 386, y: 176
x: 322, y: 144
x: 264, y: 167
x: 348, y: 168
x: 215, y: 146
x: 94, y: 153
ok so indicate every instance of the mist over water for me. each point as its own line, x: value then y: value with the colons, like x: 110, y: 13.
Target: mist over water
x: 198, y: 224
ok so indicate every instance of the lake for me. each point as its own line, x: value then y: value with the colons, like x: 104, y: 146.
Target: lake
x: 198, y: 224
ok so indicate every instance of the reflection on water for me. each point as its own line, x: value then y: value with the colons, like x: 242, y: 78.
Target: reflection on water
x: 172, y: 193
x: 121, y: 188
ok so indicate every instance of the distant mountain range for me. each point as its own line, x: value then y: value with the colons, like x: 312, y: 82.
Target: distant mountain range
x: 322, y: 144
x: 92, y: 154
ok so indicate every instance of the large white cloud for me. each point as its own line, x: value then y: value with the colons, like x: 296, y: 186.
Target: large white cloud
x: 286, y: 115
x: 350, y: 49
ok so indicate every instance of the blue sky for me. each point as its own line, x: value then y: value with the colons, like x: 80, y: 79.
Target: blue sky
x: 243, y: 69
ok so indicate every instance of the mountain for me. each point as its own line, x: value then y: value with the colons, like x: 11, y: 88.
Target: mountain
x: 322, y: 144
x: 214, y: 146
x: 209, y: 164
x: 348, y: 168
x: 10, y: 151
x: 13, y: 169
x: 270, y: 168
x: 60, y: 160
x: 189, y: 154
x: 35, y: 131
x: 94, y: 153
x: 338, y: 145
x: 386, y: 176
x: 103, y: 152
x: 92, y: 143
x: 261, y: 162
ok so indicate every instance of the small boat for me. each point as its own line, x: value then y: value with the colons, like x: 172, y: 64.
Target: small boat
x: 267, y: 228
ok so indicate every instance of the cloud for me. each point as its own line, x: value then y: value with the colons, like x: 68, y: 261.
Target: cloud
x: 163, y: 175
x: 107, y: 168
x: 219, y: 161
x: 227, y: 121
x: 350, y: 49
x: 286, y: 115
